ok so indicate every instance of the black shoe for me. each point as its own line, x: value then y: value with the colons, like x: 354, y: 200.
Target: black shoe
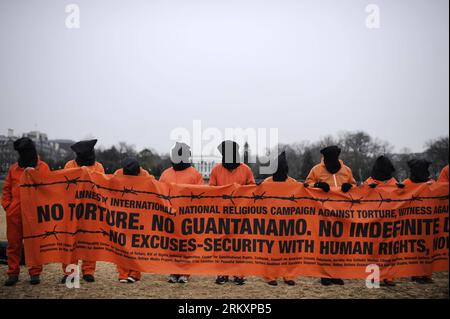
x: 339, y: 282
x: 415, y: 279
x: 63, y: 279
x: 11, y: 281
x: 326, y: 281
x: 272, y: 283
x: 289, y: 282
x: 422, y: 280
x: 88, y: 278
x: 389, y: 283
x: 173, y: 279
x: 183, y: 279
x: 239, y: 281
x: 35, y: 280
x: 220, y: 280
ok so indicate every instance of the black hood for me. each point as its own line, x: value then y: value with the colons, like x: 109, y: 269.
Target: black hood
x: 331, y: 158
x: 281, y: 174
x: 382, y: 169
x: 131, y: 166
x: 418, y: 169
x: 85, y: 153
x: 27, y: 152
x: 230, y: 154
x: 180, y: 156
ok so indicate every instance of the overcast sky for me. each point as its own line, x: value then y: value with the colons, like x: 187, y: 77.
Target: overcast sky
x: 135, y: 70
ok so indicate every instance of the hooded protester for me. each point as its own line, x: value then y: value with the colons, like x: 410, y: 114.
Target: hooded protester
x: 85, y: 156
x: 331, y: 158
x: 28, y: 159
x: 181, y: 172
x: 443, y: 177
x: 130, y: 167
x: 331, y: 172
x: 230, y: 171
x: 418, y: 174
x: 382, y: 173
x: 180, y: 157
x: 280, y: 176
x: 230, y: 154
x: 28, y: 156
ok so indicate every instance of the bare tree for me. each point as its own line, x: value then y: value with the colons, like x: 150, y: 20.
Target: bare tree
x: 437, y: 152
x: 359, y: 151
x: 127, y: 149
x: 307, y: 164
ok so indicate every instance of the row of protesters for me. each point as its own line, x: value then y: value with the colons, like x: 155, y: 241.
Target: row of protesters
x: 331, y: 172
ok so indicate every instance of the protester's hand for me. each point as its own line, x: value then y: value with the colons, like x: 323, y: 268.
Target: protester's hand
x: 400, y: 185
x: 373, y: 185
x: 28, y: 169
x: 323, y: 186
x: 346, y: 187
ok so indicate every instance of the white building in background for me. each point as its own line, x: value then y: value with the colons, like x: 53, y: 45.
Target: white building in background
x: 48, y: 149
x: 205, y: 165
x: 7, y: 153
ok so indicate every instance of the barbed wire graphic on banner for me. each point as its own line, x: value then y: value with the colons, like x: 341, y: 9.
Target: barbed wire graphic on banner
x: 231, y: 197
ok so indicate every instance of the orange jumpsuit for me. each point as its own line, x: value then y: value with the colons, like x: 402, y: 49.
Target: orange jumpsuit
x: 14, y: 231
x: 221, y: 176
x: 319, y: 173
x: 87, y: 267
x: 410, y: 182
x: 390, y: 182
x: 241, y: 175
x: 443, y: 177
x: 187, y: 176
x: 288, y: 180
x: 124, y: 273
